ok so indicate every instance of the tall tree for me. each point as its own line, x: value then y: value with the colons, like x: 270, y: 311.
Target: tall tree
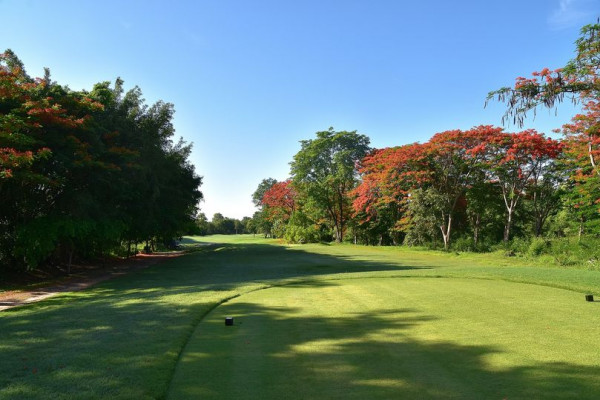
x: 325, y: 170
x: 81, y: 171
x: 262, y: 223
x: 581, y: 161
x: 388, y: 176
x: 546, y: 188
x: 513, y: 160
x: 454, y: 162
x: 279, y: 201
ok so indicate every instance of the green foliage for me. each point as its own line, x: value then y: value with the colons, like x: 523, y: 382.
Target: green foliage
x: 518, y: 246
x: 538, y: 246
x: 464, y: 244
x: 425, y: 209
x: 324, y: 172
x: 300, y: 234
x: 571, y: 252
x: 221, y: 225
x: 202, y: 224
x: 263, y: 187
x: 278, y: 228
x: 82, y: 171
x: 38, y: 239
x: 300, y: 229
x: 261, y: 223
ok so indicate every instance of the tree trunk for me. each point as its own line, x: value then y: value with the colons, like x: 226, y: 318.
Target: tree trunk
x: 591, y: 154
x: 538, y: 226
x: 507, y: 226
x: 446, y: 230
x: 476, y: 229
x: 338, y: 232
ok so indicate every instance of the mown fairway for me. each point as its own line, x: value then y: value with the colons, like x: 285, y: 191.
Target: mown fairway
x: 312, y: 321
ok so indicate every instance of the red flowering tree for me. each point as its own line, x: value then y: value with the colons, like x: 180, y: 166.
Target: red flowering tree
x: 446, y: 166
x: 279, y: 201
x: 388, y: 175
x: 513, y: 161
x: 43, y: 141
x: 583, y: 136
x: 455, y: 158
x: 582, y: 141
x: 579, y: 79
x: 20, y: 118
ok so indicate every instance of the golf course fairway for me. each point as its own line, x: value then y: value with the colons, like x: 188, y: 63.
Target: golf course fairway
x: 395, y: 338
x: 312, y: 321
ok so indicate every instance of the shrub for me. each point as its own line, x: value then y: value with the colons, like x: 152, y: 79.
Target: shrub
x: 278, y: 229
x: 464, y: 244
x: 519, y: 246
x: 537, y: 247
x: 300, y: 234
x: 570, y: 251
x: 562, y: 251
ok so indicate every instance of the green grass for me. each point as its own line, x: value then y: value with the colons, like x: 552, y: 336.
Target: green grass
x: 311, y: 321
x: 396, y: 338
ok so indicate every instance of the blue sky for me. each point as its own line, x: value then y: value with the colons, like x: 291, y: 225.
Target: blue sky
x: 250, y: 79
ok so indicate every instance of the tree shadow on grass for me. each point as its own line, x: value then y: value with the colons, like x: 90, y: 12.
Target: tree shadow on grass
x: 235, y: 263
x: 276, y: 352
x: 122, y: 338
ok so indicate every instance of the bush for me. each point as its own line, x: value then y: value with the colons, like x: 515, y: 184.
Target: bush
x: 467, y: 244
x: 519, y: 246
x: 562, y: 251
x: 300, y: 234
x: 537, y: 247
x: 464, y: 244
x: 571, y: 252
x: 278, y: 229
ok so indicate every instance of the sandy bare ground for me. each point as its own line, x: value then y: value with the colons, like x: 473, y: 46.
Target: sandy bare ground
x: 81, y: 280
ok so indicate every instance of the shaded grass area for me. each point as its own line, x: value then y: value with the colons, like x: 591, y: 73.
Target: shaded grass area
x: 396, y: 338
x: 123, y: 338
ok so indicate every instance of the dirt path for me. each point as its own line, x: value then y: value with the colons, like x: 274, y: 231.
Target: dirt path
x: 81, y: 280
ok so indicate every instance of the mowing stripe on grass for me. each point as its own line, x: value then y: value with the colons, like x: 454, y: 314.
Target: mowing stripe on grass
x: 396, y: 338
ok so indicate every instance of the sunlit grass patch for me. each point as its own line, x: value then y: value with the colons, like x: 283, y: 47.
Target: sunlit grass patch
x: 427, y: 338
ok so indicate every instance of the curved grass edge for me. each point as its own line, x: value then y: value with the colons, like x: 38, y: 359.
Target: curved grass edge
x: 188, y: 336
x: 334, y: 278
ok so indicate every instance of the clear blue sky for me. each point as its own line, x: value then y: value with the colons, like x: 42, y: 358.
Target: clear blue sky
x: 249, y: 79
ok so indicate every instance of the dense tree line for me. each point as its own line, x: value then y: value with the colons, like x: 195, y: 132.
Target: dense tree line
x: 83, y: 173
x: 469, y: 189
x: 220, y: 225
